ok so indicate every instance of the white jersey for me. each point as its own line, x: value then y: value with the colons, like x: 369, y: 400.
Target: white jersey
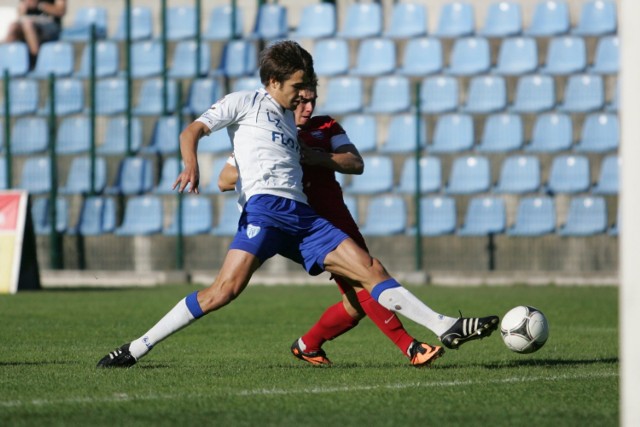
x: 265, y: 144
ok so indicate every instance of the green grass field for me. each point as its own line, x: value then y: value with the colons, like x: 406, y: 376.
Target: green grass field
x: 233, y: 367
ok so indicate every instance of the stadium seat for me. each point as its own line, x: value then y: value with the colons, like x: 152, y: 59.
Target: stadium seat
x: 408, y: 21
x: 609, y: 177
x: 403, y: 135
x: 217, y: 164
x: 587, y: 216
x: 146, y: 59
x: 375, y: 57
x: 517, y: 55
x: 29, y: 135
x: 362, y: 130
x: 536, y: 216
x: 111, y: 96
x: 453, y: 133
x: 469, y: 175
x: 484, y: 216
x: 535, y: 93
x: 228, y: 219
x: 565, y: 55
x: 331, y: 57
x: 183, y: 62
x: 245, y: 83
x: 141, y: 24
x: 14, y: 57
x: 352, y: 205
x: 238, y: 59
x: 469, y: 56
x: 386, y: 216
x: 166, y: 136
x: 79, y: 176
x: 150, y: 99
x: 316, y: 21
x: 518, y: 175
x: 134, y: 176
x: 552, y: 132
x: 143, y: 215
x: 550, y: 18
x: 504, y: 19
x: 181, y: 23
x: 430, y: 175
x: 501, y: 133
x: 569, y: 174
x: 202, y: 94
x: 24, y: 97
x: 54, y: 57
x: 97, y: 216
x: 219, y: 24
x: 343, y: 96
x: 80, y: 29
x: 607, y: 56
x: 41, y: 219
x: 69, y: 98
x: 597, y: 18
x: 271, y: 22
x: 438, y: 94
x: 376, y: 178
x: 456, y: 19
x: 487, y: 94
x: 437, y: 216
x: 196, y: 217
x: 583, y: 93
x: 614, y: 103
x: 600, y: 133
x: 216, y: 142
x: 115, y: 136
x: 107, y: 60
x: 36, y: 175
x: 390, y: 95
x: 421, y: 56
x: 73, y: 135
x: 168, y: 174
x: 363, y: 20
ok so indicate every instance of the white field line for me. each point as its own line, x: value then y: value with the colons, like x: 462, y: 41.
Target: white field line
x: 122, y: 397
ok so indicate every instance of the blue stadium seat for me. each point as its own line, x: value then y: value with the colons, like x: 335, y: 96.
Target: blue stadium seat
x: 24, y: 96
x: 565, y: 55
x: 438, y: 94
x: 111, y: 96
x: 36, y: 175
x: 403, y: 135
x: 115, y: 136
x: 536, y: 216
x: 41, y: 219
x: 181, y: 23
x: 79, y: 177
x: 502, y: 133
x: 14, y: 57
x: 535, y: 93
x: 552, y: 132
x: 390, y: 95
x: 141, y: 24
x: 587, y: 216
x: 228, y: 219
x: 518, y: 55
x: 271, y: 22
x: 597, y: 18
x: 438, y: 216
x: 469, y: 56
x: 29, y: 135
x: 216, y: 167
x: 166, y: 136
x: 331, y: 57
x: 386, y: 216
x: 73, y: 135
x: 352, y: 205
x: 614, y: 103
x: 215, y: 142
x: 245, y: 83
x: 69, y: 97
x: 344, y: 95
x: 609, y: 176
x: 146, y: 59
x: 408, y: 21
x: 168, y: 174
x: 97, y: 217
x: 362, y: 131
x: 453, y: 133
x: 375, y: 57
x: 430, y: 175
x: 569, y: 174
x: 363, y: 20
x: 600, y: 133
x: 219, y: 24
x: 3, y: 170
x: 238, y: 59
x: 607, y: 56
x: 487, y: 94
x: 80, y: 29
x: 484, y: 216
x: 550, y: 18
x: 456, y: 20
x: 202, y: 94
x: 143, y: 215
x: 583, y: 93
x: 421, y: 56
x: 183, y: 62
x: 316, y: 21
x: 469, y: 175
x: 134, y: 176
x: 518, y: 175
x: 196, y: 217
x: 504, y: 19
x: 150, y: 101
x: 376, y: 178
x: 107, y: 60
x: 54, y: 57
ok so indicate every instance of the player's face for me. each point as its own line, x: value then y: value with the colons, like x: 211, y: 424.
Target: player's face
x: 287, y: 93
x: 305, y: 108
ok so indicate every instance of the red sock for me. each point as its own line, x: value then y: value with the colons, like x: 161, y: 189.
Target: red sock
x: 386, y: 321
x: 334, y: 322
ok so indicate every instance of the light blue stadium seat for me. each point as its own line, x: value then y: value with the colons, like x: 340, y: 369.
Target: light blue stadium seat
x: 41, y: 219
x: 79, y: 177
x: 536, y: 216
x: 583, y: 93
x: 29, y: 135
x: 54, y: 57
x: 24, y: 97
x: 80, y: 29
x: 569, y: 174
x: 168, y: 174
x: 216, y: 142
x: 227, y: 224
x: 517, y: 55
x: 150, y: 101
x: 437, y: 216
x: 3, y: 169
x: 238, y: 59
x: 352, y: 205
x: 613, y: 105
x: 609, y: 176
x: 202, y: 94
x: 331, y: 57
x: 390, y: 95
x: 245, y: 83
x: 550, y: 18
x: 181, y: 22
x: 316, y: 21
x: 143, y: 215
x: 107, y: 60
x: 408, y: 21
x: 597, y: 18
x: 518, y: 175
x: 502, y: 133
x: 141, y: 24
x: 69, y: 97
x: 386, y: 216
x: 166, y: 136
x: 484, y: 216
x: 469, y: 175
x: 271, y: 22
x: 600, y: 133
x: 14, y: 57
x: 219, y: 23
x: 36, y: 175
x: 552, y: 132
x: 111, y: 96
x: 487, y: 94
x: 421, y: 56
x: 430, y: 175
x: 134, y: 176
x: 535, y: 93
x: 376, y: 178
x: 607, y: 56
x: 97, y: 217
x: 403, y: 135
x: 565, y: 55
x: 363, y: 20
x: 362, y: 130
x: 438, y: 94
x: 216, y: 167
x: 470, y: 56
x: 453, y: 133
x: 146, y: 59
x: 344, y: 95
x: 375, y: 57
x: 183, y: 62
x: 587, y: 216
x: 115, y: 136
x: 504, y: 19
x: 73, y: 135
x: 456, y: 19
x: 196, y: 217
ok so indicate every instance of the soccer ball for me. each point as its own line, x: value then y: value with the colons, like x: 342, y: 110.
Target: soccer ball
x: 524, y: 329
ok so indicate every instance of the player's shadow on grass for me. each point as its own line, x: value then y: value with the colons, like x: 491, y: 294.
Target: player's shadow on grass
x: 550, y: 363
x: 37, y: 363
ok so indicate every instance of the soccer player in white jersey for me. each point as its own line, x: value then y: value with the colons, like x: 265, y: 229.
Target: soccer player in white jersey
x: 275, y: 217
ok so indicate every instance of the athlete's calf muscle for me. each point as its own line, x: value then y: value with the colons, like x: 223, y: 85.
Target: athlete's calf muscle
x: 351, y: 261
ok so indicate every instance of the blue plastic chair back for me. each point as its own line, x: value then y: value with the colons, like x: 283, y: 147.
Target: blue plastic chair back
x: 271, y: 22
x: 196, y: 217
x: 29, y: 135
x: 363, y: 20
x: 245, y: 83
x: 438, y: 94
x: 352, y: 205
x: 362, y: 131
x: 36, y: 175
x: 453, y: 133
x: 115, y: 136
x: 456, y: 20
x: 238, y: 59
x: 135, y: 176
x: 386, y: 216
x: 504, y: 18
x: 534, y: 94
x: 569, y: 174
x: 219, y: 26
x: 430, y: 175
x: 183, y: 63
x: 587, y: 216
x: 565, y: 55
x: 141, y: 24
x: 14, y: 57
x: 469, y: 175
x: 502, y: 133
x: 600, y: 133
x: 24, y: 96
x: 438, y: 216
x: 80, y: 29
x: 376, y: 56
x: 607, y: 56
x: 487, y: 94
x: 470, y: 55
x: 485, y: 215
x: 228, y: 220
x: 69, y: 97
x: 331, y: 57
x: 344, y: 95
x: 97, y: 216
x: 216, y: 142
x: 181, y: 22
x: 551, y: 132
x: 142, y: 216
x: 111, y: 96
x: 74, y: 135
x: 166, y: 135
x: 536, y: 216
x: 597, y: 17
x: 317, y: 21
x: 403, y: 134
x: 150, y: 102
x: 609, y: 176
x: 79, y: 176
x: 408, y: 21
x: 421, y: 56
x: 54, y: 57
x: 390, y: 95
x: 583, y: 93
x: 376, y: 178
x: 550, y: 18
x: 146, y: 59
x: 518, y: 55
x: 518, y: 175
x: 202, y: 94
x: 170, y: 170
x: 40, y: 214
x: 107, y: 60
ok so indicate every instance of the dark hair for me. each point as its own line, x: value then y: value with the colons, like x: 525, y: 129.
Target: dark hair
x: 281, y: 59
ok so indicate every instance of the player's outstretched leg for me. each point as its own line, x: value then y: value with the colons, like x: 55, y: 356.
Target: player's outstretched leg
x: 468, y: 329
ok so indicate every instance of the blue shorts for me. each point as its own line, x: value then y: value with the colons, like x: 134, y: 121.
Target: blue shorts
x: 272, y: 225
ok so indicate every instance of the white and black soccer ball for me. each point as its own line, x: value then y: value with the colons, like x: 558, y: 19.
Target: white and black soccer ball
x: 524, y: 329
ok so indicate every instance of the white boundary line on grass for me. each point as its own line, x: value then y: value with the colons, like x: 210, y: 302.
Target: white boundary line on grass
x: 122, y: 397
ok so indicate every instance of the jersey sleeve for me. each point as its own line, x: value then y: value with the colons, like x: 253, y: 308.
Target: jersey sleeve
x: 225, y: 111
x: 338, y: 135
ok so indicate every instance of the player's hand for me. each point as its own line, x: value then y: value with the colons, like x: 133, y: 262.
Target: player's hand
x: 309, y: 156
x: 190, y: 175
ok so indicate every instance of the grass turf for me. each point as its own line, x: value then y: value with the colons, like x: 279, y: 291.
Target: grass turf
x: 234, y: 367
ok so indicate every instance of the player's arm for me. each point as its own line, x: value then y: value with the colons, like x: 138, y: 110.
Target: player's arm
x: 189, y: 138
x: 228, y: 177
x: 344, y: 159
